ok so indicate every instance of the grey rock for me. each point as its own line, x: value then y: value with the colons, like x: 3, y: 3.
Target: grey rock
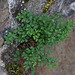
x: 1, y: 40
x: 7, y: 54
x: 68, y: 53
x: 3, y: 71
x: 43, y: 0
x: 2, y: 64
x: 4, y: 15
x: 37, y: 73
x: 67, y: 11
x: 72, y: 6
x: 3, y: 4
x: 61, y: 5
x: 34, y: 6
x: 67, y: 2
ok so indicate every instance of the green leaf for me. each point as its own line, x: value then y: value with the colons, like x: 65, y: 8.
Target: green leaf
x: 39, y: 64
x: 34, y: 64
x: 51, y: 51
x: 47, y: 65
x: 19, y: 19
x: 26, y: 68
x: 22, y: 11
x: 26, y: 62
x: 33, y: 72
x: 18, y: 58
x: 48, y: 68
x: 15, y: 55
x: 17, y: 52
x: 50, y: 65
x: 15, y: 59
x: 39, y: 59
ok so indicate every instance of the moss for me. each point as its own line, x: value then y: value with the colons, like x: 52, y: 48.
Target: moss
x: 14, y: 69
x: 49, y: 3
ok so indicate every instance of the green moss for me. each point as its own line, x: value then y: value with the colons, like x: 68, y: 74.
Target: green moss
x: 14, y: 69
x: 49, y: 3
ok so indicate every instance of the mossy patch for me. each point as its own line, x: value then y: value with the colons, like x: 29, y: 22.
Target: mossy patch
x: 49, y: 3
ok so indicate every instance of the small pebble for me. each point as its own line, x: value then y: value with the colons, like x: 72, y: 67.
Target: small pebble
x: 21, y: 4
x: 24, y: 8
x: 22, y: 1
x: 60, y: 70
x: 68, y: 53
x: 6, y: 31
x: 12, y: 23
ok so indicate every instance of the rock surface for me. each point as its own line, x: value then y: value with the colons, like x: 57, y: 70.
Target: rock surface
x: 4, y: 23
x: 69, y: 10
x: 72, y: 6
x: 4, y: 15
x: 1, y: 40
x: 2, y: 64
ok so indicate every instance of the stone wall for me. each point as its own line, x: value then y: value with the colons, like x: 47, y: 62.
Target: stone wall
x: 4, y: 18
x: 4, y: 23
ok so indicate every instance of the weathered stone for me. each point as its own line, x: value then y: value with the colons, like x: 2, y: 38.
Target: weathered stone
x: 37, y: 73
x: 72, y: 6
x: 34, y: 6
x: 7, y: 54
x: 3, y: 4
x: 72, y: 69
x: 67, y: 11
x: 4, y: 15
x: 2, y: 72
x: 11, y: 4
x: 2, y: 64
x: 4, y: 19
x: 1, y: 40
x: 4, y: 25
